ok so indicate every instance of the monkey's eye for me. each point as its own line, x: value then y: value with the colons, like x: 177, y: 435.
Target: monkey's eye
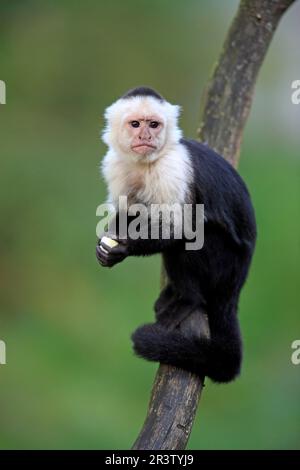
x: 154, y: 124
x: 135, y: 124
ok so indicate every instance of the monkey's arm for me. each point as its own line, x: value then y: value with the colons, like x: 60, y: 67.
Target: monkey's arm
x: 109, y: 256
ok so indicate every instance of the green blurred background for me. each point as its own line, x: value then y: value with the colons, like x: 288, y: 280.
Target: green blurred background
x: 71, y: 379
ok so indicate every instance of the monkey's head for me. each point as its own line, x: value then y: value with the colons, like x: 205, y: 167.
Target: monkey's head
x: 141, y: 125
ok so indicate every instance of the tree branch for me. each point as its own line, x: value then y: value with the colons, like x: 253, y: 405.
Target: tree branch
x: 225, y: 108
x: 228, y: 96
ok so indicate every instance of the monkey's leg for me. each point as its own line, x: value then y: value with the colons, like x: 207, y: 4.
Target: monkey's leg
x: 174, y: 313
x: 165, y: 300
x: 172, y: 307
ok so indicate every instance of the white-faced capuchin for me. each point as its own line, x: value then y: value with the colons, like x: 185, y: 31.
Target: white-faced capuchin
x: 150, y: 162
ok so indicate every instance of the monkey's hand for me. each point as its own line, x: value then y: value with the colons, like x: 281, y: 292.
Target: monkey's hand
x: 108, y: 255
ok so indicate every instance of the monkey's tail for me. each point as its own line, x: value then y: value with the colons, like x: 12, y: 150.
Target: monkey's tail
x: 217, y: 358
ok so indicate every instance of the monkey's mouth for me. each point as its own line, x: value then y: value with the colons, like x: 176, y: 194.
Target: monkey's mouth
x: 143, y: 149
x: 144, y: 145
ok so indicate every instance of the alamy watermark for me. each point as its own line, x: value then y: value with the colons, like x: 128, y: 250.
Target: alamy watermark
x: 295, y: 357
x: 295, y: 97
x: 2, y: 92
x: 2, y: 352
x: 153, y: 222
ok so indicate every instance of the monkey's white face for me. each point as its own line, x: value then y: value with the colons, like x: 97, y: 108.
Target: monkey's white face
x: 141, y: 127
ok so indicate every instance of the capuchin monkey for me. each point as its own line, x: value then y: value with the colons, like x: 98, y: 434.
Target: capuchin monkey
x: 150, y: 162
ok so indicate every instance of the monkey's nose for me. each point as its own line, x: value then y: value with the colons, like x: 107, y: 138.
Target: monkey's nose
x: 145, y: 137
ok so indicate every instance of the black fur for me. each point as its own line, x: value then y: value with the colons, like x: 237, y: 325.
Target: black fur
x: 210, y: 278
x: 143, y: 91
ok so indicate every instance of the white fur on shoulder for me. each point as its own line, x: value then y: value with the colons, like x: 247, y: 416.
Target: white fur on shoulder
x: 165, y: 181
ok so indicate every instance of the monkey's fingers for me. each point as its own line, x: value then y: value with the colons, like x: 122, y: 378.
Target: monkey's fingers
x: 107, y: 259
x: 119, y: 249
x: 114, y: 237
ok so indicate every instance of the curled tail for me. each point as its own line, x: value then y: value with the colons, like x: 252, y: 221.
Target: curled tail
x: 219, y: 357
